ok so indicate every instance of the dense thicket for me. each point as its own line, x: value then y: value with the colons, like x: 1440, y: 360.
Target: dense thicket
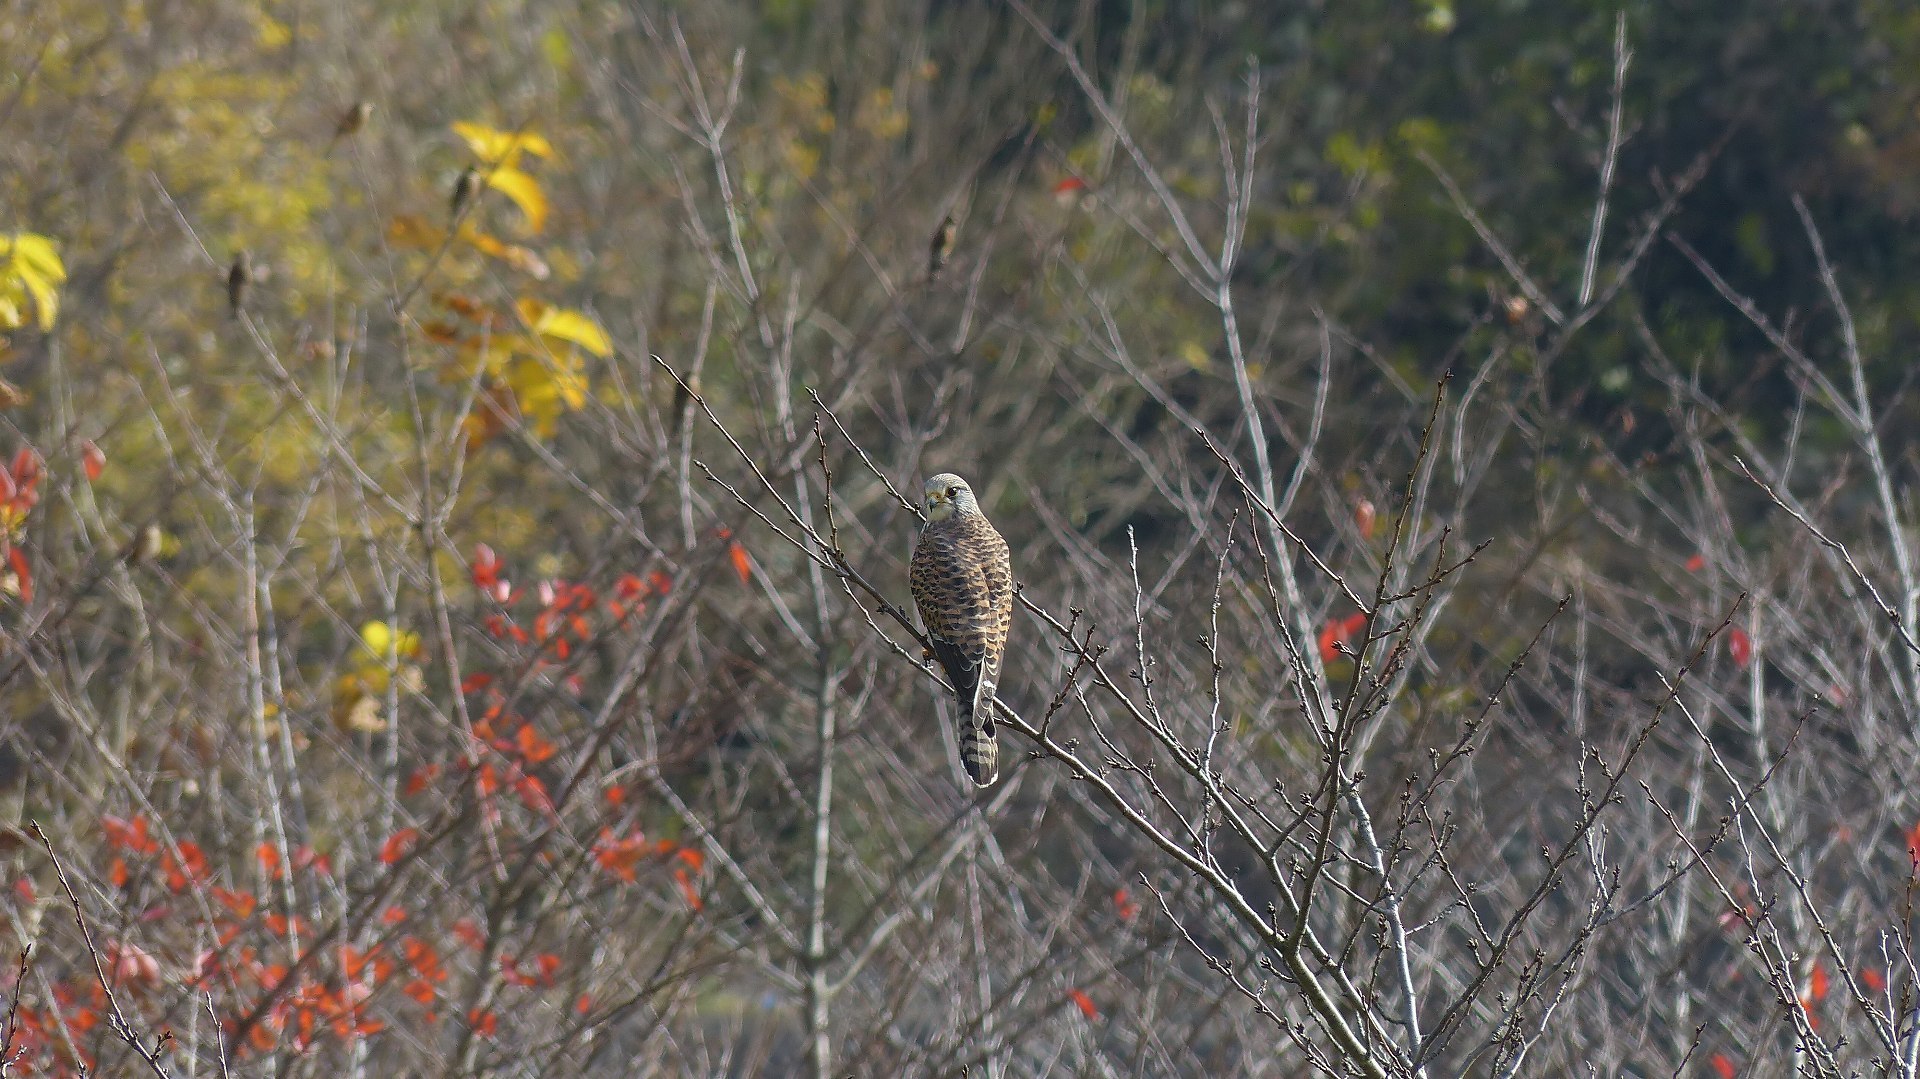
x: 1460, y: 467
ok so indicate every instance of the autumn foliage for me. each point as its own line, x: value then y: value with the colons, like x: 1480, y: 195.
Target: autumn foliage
x: 458, y: 465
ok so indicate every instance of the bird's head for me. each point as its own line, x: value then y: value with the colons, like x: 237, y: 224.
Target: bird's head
x: 948, y: 495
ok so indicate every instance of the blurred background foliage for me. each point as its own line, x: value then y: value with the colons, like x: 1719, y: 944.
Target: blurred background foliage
x: 391, y: 347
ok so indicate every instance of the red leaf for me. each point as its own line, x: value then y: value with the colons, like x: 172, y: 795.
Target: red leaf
x: 269, y: 857
x: 1695, y: 565
x: 1723, y: 1067
x: 742, y: 566
x: 1817, y: 983
x: 305, y: 857
x: 184, y: 864
x: 485, y: 568
x: 1124, y: 905
x: 469, y: 933
x: 1874, y: 980
x: 353, y: 961
x: 398, y: 844
x: 1739, y: 646
x: 618, y: 856
x: 1364, y: 518
x: 1339, y: 631
x: 483, y: 1023
x: 128, y: 835
x: 584, y: 1004
x: 26, y: 469
x: 1084, y: 1003
x: 240, y: 903
x: 686, y: 888
x: 17, y: 558
x: 131, y: 963
x: 92, y: 459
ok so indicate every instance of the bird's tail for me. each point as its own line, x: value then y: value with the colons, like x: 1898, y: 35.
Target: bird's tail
x: 979, y: 744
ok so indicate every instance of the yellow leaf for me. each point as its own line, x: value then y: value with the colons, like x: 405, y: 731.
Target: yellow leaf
x: 566, y: 325
x: 45, y: 300
x: 31, y: 268
x: 524, y: 191
x: 1195, y: 355
x: 544, y: 389
x: 520, y: 258
x: 412, y: 230
x: 496, y: 147
x: 380, y: 643
x: 39, y: 254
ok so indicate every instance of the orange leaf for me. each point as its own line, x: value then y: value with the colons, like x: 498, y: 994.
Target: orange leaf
x: 741, y: 564
x: 1817, y: 983
x: 1084, y: 1003
x: 484, y: 1023
x: 1874, y: 980
x: 1723, y: 1067
x: 269, y: 857
x: 533, y: 748
x: 398, y: 844
x: 92, y: 459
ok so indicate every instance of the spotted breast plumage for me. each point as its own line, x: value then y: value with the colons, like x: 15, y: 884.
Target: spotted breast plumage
x: 962, y: 582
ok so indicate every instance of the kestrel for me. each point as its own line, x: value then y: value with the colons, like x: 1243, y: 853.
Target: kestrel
x: 963, y: 584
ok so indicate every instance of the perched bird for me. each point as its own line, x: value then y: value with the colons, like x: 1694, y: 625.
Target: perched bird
x: 351, y: 123
x: 146, y: 545
x: 464, y: 189
x: 239, y: 276
x: 962, y: 581
x: 941, y: 249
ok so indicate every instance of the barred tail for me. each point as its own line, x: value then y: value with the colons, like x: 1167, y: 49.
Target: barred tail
x: 979, y: 746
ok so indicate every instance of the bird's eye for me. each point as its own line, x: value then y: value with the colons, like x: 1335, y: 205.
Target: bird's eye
x: 952, y: 491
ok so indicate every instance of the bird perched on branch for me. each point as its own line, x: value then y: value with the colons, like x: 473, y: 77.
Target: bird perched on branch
x: 239, y: 276
x: 464, y: 189
x: 940, y: 249
x: 962, y: 581
x: 350, y: 124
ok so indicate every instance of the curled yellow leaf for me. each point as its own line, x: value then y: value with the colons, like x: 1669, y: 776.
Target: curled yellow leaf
x: 496, y: 147
x: 561, y: 324
x: 524, y: 191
